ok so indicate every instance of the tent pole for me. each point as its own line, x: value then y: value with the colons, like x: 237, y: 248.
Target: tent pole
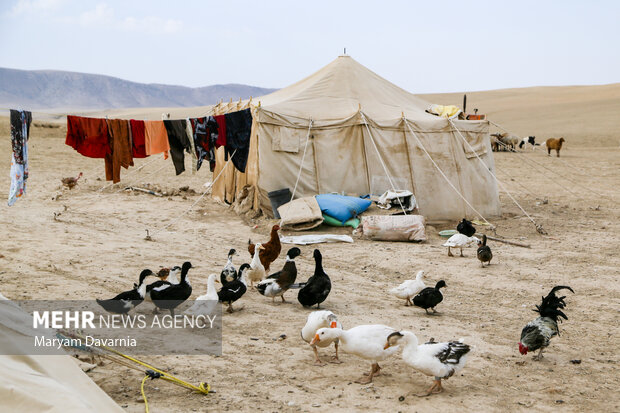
x: 366, y: 161
x: 409, y: 158
x: 317, y: 176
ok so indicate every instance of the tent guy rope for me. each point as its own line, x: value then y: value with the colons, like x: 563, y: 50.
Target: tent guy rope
x: 382, y: 163
x: 301, y: 165
x: 444, y: 175
x: 149, y: 237
x: 303, y: 157
x: 538, y: 226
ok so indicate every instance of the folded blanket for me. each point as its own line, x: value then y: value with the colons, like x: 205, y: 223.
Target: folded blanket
x: 300, y: 214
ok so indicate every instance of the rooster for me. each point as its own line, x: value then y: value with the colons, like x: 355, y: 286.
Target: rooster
x: 271, y: 250
x: 537, y: 333
x: 71, y: 181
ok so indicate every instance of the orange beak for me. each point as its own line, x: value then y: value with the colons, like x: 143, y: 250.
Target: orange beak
x: 315, y: 339
x: 333, y: 324
x: 387, y: 345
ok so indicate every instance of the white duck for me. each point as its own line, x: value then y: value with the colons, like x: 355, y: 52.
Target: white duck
x: 365, y: 341
x: 317, y: 320
x: 409, y: 288
x: 205, y: 304
x: 441, y: 360
x: 459, y: 241
x: 257, y: 272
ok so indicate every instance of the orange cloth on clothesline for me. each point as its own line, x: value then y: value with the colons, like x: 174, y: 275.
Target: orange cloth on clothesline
x: 156, y: 137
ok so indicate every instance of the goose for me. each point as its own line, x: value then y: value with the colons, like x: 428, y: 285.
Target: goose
x: 125, y: 301
x: 234, y: 290
x: 440, y: 360
x: 409, y: 288
x: 256, y: 273
x: 317, y: 288
x: 484, y: 253
x: 429, y: 297
x: 278, y: 283
x: 205, y: 304
x: 365, y: 341
x: 317, y: 320
x: 459, y: 241
x: 229, y: 273
x: 169, y: 297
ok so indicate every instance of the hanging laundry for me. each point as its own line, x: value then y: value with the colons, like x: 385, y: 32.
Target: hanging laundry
x: 205, y: 135
x: 88, y: 136
x: 190, y: 136
x: 20, y: 131
x: 221, y: 137
x: 138, y: 148
x: 120, y: 149
x: 213, y: 130
x: 179, y: 142
x: 156, y: 138
x: 238, y: 129
x: 201, y: 140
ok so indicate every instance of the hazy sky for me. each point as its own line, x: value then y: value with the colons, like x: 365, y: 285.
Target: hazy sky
x: 422, y: 46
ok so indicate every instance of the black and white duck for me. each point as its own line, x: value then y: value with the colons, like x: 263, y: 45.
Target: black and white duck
x: 126, y: 301
x: 441, y: 360
x: 229, y: 273
x: 170, y: 296
x: 278, y: 283
x: 234, y: 290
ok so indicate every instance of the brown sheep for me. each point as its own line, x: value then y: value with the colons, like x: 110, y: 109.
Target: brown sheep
x: 554, y: 144
x: 494, y: 144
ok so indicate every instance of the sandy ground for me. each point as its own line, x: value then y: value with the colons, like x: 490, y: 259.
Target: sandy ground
x: 97, y: 248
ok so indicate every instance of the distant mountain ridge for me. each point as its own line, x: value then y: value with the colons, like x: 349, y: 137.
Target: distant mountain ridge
x: 50, y: 89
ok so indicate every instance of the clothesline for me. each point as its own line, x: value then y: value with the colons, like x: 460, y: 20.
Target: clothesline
x: 119, y: 141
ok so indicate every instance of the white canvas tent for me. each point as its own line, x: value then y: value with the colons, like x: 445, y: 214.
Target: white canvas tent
x: 361, y: 132
x: 41, y: 383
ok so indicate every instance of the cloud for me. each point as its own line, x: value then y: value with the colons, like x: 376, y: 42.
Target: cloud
x: 101, y: 14
x: 104, y: 15
x: 34, y: 6
x: 151, y: 24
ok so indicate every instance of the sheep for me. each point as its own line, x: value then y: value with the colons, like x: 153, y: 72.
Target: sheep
x: 494, y: 142
x: 165, y: 116
x: 554, y: 144
x: 510, y: 141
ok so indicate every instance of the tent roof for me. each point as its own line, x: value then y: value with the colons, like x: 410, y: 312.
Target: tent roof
x: 337, y: 90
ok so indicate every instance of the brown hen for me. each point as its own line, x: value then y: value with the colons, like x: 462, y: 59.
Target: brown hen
x: 271, y: 249
x: 71, y: 181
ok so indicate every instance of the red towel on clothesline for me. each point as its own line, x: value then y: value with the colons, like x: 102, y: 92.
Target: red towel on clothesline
x: 137, y: 132
x: 88, y: 136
